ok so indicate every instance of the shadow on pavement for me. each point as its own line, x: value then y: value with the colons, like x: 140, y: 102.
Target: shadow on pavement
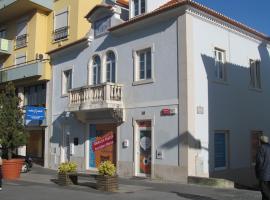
x: 192, y: 196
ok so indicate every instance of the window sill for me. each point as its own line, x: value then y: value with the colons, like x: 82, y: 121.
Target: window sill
x: 61, y: 40
x: 222, y: 82
x: 17, y: 48
x: 255, y: 89
x: 142, y: 82
x: 64, y: 95
x: 221, y: 169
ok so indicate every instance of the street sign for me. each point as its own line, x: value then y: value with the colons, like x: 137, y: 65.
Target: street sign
x: 35, y: 113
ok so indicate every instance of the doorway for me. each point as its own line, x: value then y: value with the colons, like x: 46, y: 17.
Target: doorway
x: 143, y: 149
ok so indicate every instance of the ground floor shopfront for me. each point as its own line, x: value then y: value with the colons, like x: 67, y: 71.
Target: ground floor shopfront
x: 144, y: 144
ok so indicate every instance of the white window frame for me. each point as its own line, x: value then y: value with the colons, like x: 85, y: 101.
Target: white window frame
x: 110, y: 64
x: 64, y: 81
x: 136, y: 60
x: 98, y: 70
x: 139, y: 8
x: 64, y: 10
x: 220, y: 65
x: 255, y: 74
x: 227, y: 145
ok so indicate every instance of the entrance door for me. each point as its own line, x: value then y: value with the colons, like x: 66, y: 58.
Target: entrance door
x: 144, y: 149
x: 102, y: 144
x: 65, y: 147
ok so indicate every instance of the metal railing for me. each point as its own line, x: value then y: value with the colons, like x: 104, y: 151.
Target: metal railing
x: 60, y: 34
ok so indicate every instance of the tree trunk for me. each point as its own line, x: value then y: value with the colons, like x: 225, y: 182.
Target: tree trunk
x: 9, y: 154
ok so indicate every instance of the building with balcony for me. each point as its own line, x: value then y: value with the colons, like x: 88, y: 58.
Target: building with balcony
x: 168, y: 90
x: 28, y: 29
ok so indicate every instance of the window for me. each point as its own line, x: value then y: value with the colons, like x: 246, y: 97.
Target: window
x: 139, y: 7
x: 96, y: 70
x: 1, y: 63
x: 3, y: 33
x: 144, y: 64
x: 20, y: 59
x: 61, y: 25
x: 35, y: 95
x: 21, y: 38
x: 110, y: 65
x: 255, y: 74
x: 255, y: 142
x: 221, y: 149
x: 220, y: 65
x: 67, y: 81
x: 101, y: 26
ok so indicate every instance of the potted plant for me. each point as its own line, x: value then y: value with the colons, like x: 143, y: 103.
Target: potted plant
x: 107, y: 180
x: 12, y: 132
x: 67, y: 174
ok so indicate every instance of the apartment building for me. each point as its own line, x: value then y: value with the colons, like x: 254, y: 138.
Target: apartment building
x: 170, y: 89
x: 28, y: 29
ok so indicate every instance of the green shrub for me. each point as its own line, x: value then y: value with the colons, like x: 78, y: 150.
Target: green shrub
x: 67, y: 167
x: 107, y: 169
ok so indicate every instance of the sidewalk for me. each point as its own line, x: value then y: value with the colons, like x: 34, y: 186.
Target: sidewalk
x: 38, y: 184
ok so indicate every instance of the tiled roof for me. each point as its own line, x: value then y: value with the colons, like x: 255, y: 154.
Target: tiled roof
x: 177, y: 3
x: 97, y: 7
x: 123, y: 2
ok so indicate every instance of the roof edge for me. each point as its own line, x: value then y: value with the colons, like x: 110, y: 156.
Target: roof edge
x: 68, y: 45
x: 166, y: 7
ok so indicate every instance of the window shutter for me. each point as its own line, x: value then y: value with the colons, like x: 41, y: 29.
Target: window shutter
x: 22, y: 28
x: 61, y: 19
x: 220, y: 150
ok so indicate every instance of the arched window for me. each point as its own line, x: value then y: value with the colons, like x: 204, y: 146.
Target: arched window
x: 96, y: 70
x: 110, y: 67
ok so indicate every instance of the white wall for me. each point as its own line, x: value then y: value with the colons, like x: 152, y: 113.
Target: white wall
x: 232, y: 105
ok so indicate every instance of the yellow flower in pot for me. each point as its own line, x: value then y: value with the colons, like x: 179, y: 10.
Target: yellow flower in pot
x: 67, y: 173
x: 107, y: 179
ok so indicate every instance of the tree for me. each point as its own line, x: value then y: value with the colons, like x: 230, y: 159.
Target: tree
x: 12, y: 132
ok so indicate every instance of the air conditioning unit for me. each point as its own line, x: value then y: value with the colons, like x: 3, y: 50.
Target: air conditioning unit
x: 41, y: 56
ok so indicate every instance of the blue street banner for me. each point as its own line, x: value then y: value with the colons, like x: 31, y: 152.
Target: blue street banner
x: 35, y: 113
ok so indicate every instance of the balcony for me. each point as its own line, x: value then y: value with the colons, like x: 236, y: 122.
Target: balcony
x: 10, y: 9
x: 103, y: 96
x: 98, y: 102
x: 32, y: 69
x: 5, y: 47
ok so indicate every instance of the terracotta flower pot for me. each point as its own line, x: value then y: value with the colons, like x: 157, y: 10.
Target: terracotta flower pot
x: 11, y: 169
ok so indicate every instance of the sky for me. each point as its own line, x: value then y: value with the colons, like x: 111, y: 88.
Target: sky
x: 254, y: 13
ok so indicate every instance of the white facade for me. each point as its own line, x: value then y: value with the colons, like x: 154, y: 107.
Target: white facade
x: 183, y: 82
